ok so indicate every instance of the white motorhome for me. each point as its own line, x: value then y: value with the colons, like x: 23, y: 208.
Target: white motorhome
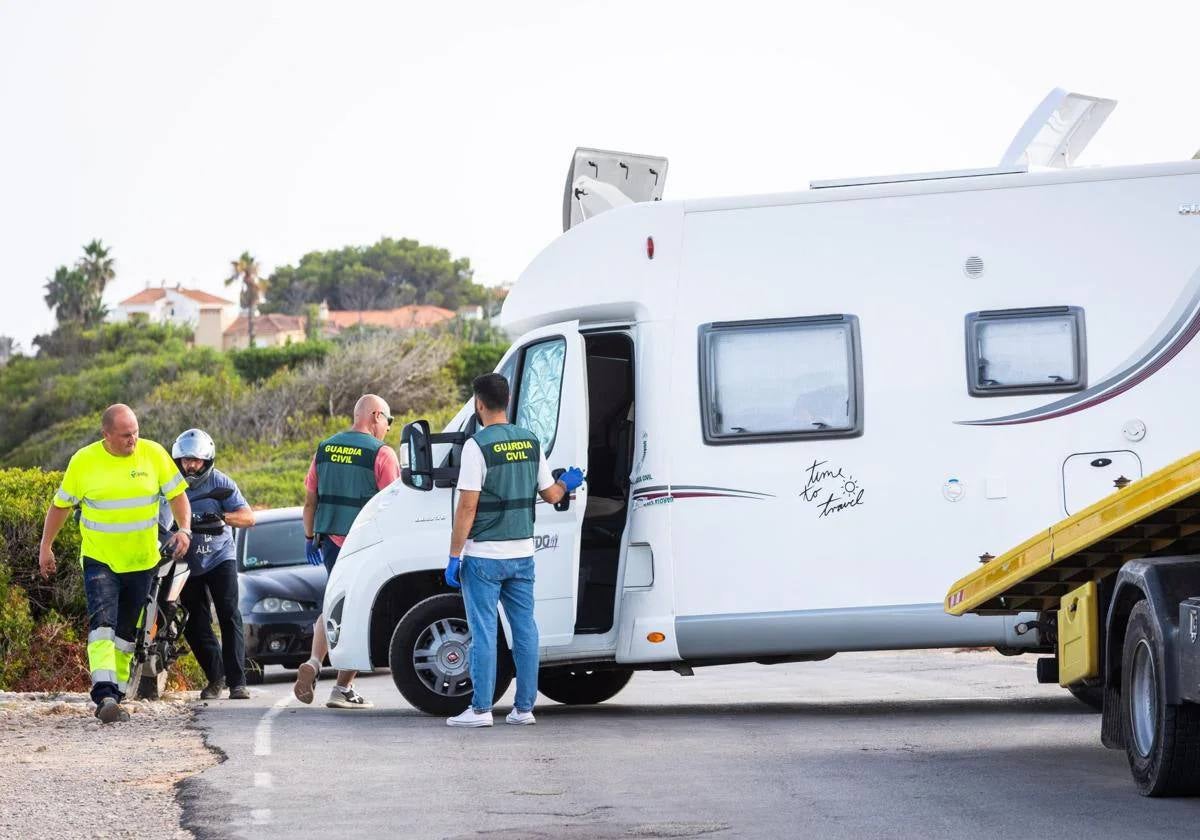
x: 800, y: 412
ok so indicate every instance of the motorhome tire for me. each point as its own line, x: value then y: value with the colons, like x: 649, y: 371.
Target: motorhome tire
x: 576, y: 686
x: 1162, y: 741
x: 428, y: 660
x: 254, y: 672
x: 1091, y: 696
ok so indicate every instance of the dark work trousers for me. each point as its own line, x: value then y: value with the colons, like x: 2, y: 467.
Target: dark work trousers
x: 226, y: 658
x: 114, y: 604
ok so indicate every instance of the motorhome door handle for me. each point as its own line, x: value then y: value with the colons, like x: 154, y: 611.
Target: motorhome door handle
x: 564, y: 503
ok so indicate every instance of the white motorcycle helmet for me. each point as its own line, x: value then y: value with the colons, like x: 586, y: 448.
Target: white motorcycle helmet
x: 195, y: 443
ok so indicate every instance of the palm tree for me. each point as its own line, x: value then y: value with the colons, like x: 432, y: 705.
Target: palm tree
x: 245, y: 270
x: 97, y: 267
x: 67, y: 293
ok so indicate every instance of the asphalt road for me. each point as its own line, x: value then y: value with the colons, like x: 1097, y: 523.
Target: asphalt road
x: 918, y: 744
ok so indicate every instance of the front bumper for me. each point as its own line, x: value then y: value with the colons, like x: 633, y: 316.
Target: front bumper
x: 279, y: 640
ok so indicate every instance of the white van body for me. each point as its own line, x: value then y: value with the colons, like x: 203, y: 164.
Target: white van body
x: 835, y: 534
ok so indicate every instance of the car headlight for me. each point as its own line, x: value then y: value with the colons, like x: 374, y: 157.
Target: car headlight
x: 283, y: 605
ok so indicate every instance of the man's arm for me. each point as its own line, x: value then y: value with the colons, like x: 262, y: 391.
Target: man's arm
x: 464, y: 518
x: 181, y: 509
x: 243, y: 517
x: 554, y: 493
x: 55, y: 518
x: 310, y: 511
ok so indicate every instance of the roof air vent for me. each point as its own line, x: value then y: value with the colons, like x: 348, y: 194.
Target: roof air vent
x: 973, y: 267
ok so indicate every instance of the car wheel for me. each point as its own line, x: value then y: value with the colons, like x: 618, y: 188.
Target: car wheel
x: 581, y: 686
x: 1161, y: 740
x: 254, y: 672
x: 429, y: 657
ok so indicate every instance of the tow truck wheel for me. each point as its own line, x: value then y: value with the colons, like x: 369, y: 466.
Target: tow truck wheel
x: 429, y: 652
x: 1161, y: 741
x: 574, y: 686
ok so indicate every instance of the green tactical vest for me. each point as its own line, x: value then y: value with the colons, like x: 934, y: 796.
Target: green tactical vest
x: 345, y: 480
x: 509, y: 492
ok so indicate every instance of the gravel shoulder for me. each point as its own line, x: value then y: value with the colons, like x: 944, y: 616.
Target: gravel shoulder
x: 66, y: 775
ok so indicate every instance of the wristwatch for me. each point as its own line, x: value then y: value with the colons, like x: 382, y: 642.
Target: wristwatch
x: 187, y: 531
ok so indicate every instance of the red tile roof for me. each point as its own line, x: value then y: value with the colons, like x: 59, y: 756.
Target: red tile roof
x: 271, y: 324
x: 148, y: 296
x: 413, y: 316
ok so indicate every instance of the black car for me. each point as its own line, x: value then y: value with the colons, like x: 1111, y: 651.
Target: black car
x: 280, y: 595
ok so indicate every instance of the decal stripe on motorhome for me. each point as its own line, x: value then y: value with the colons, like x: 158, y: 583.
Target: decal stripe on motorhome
x: 697, y: 491
x: 1178, y: 329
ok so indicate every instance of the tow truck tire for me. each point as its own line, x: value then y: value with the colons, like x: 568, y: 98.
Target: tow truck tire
x: 1091, y: 696
x: 441, y: 685
x: 1162, y: 741
x: 573, y: 686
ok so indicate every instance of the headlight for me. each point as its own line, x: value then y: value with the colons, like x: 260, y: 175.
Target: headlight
x: 283, y: 605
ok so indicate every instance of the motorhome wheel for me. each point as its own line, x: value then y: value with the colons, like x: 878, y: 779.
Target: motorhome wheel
x: 428, y: 656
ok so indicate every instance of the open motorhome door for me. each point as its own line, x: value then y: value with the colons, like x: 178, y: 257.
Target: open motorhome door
x: 550, y: 400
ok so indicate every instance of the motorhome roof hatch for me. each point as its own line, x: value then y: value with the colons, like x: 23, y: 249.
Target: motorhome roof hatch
x: 1055, y: 134
x: 600, y: 180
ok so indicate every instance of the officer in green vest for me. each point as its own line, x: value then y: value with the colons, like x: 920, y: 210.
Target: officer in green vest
x: 346, y: 471
x: 503, y: 472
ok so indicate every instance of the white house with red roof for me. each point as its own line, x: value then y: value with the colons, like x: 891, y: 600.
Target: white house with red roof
x: 207, y: 314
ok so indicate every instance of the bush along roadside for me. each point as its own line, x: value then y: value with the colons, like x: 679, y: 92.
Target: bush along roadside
x: 43, y: 624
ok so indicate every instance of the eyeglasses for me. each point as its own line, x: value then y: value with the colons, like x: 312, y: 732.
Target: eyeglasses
x: 386, y: 417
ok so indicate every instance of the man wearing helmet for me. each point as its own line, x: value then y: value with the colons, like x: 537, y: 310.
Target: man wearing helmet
x: 217, y: 507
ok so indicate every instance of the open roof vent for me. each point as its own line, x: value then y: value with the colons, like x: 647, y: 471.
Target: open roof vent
x: 600, y: 180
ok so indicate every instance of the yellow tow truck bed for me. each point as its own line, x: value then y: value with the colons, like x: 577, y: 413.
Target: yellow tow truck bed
x: 1154, y: 515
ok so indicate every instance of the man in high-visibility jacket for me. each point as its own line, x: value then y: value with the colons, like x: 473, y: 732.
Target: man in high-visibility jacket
x: 116, y: 482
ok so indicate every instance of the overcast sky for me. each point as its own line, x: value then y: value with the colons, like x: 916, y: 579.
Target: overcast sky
x: 182, y: 135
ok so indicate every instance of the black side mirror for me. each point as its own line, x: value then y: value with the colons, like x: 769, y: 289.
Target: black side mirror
x: 416, y: 461
x: 221, y: 493
x: 416, y: 470
x: 565, y: 502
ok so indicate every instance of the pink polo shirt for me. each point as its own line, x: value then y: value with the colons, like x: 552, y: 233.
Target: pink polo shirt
x: 387, y: 470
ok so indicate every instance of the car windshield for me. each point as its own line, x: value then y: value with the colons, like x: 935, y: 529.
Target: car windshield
x: 272, y: 544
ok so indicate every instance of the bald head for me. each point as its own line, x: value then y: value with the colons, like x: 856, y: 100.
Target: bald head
x: 372, y: 415
x: 119, y: 426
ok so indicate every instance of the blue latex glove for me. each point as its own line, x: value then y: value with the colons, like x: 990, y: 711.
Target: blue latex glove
x: 312, y: 553
x: 571, y: 479
x: 452, y: 569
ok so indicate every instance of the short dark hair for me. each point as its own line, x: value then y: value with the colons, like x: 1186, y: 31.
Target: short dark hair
x: 492, y: 390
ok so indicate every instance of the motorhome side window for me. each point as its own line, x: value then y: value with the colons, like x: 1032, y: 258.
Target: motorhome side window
x: 1026, y: 351
x: 781, y: 379
x: 539, y: 389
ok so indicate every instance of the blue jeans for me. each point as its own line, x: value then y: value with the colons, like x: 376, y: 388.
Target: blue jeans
x: 329, y: 554
x: 486, y: 582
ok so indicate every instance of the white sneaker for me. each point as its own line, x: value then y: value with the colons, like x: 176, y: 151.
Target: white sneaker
x: 470, y: 718
x: 521, y: 718
x: 306, y: 680
x: 347, y: 698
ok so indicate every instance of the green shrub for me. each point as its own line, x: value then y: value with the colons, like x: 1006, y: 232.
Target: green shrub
x: 256, y: 364
x: 473, y: 360
x: 16, y: 631
x: 24, y: 497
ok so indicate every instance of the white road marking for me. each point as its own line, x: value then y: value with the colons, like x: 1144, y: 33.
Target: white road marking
x: 262, y: 733
x: 262, y: 780
x: 261, y: 815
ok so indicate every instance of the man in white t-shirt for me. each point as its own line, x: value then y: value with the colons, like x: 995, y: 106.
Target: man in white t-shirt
x: 491, y: 548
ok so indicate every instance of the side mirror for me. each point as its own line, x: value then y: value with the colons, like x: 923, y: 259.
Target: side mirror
x: 416, y: 468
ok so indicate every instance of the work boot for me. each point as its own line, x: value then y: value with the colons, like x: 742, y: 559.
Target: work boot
x: 110, y: 711
x: 239, y: 692
x: 213, y: 690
